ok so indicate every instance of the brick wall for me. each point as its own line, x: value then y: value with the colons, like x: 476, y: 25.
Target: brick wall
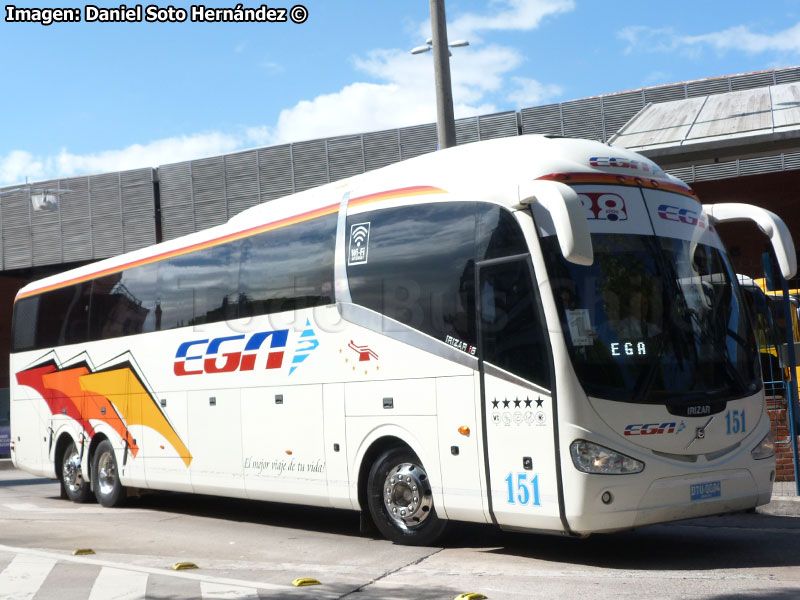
x: 783, y: 449
x: 776, y: 192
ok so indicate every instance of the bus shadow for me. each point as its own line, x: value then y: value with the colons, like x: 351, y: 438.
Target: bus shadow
x: 27, y: 481
x: 272, y: 514
x: 741, y: 540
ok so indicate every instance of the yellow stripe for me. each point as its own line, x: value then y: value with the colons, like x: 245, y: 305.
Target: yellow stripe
x: 187, y: 249
x: 417, y: 190
x: 307, y: 216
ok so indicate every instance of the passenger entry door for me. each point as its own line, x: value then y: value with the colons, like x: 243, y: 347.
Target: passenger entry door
x: 517, y: 406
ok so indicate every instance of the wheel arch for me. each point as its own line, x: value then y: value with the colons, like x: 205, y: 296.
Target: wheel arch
x: 63, y: 439
x: 381, y: 439
x: 96, y: 440
x: 376, y: 448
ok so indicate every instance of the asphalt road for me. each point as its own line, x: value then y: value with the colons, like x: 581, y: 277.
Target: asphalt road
x: 255, y: 550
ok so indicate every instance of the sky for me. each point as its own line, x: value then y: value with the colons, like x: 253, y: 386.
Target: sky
x: 93, y: 97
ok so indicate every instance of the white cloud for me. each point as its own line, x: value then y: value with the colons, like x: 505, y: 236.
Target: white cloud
x: 530, y: 92
x: 741, y: 38
x: 357, y: 108
x: 657, y: 78
x: 503, y: 15
x: 649, y: 39
x: 18, y: 165
x: 272, y: 67
x: 155, y: 153
x: 397, y: 90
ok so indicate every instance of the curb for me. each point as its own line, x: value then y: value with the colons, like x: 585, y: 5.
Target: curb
x: 781, y: 506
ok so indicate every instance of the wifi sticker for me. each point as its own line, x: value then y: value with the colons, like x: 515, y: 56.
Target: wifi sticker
x: 359, y: 244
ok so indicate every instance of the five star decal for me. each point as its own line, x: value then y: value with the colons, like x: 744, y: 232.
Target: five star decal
x: 529, y: 416
x: 517, y: 402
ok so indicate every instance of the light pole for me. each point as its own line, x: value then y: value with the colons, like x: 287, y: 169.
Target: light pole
x: 445, y: 121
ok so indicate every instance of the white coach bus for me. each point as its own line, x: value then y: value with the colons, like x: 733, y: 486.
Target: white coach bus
x: 541, y: 333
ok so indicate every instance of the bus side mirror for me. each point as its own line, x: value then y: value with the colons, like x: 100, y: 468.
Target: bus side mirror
x: 768, y: 222
x: 568, y: 214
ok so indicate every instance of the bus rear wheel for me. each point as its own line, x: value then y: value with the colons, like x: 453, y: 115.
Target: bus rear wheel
x: 75, y: 486
x: 107, y: 488
x: 400, y: 499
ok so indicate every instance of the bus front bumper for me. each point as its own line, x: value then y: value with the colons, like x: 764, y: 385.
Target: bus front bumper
x: 672, y: 499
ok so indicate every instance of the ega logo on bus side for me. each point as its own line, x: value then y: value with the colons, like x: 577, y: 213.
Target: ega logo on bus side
x: 226, y: 354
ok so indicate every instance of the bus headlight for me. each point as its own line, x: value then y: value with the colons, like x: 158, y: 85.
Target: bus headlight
x: 593, y: 458
x: 765, y: 448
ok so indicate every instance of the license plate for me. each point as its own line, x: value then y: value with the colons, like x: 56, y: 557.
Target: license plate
x: 704, y: 491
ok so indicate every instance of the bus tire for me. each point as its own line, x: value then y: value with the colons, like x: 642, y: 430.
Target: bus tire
x: 400, y: 499
x: 75, y: 486
x: 107, y: 488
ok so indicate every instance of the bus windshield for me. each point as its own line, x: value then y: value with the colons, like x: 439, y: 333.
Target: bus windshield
x: 655, y: 320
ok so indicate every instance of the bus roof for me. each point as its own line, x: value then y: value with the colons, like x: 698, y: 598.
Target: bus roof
x: 490, y: 171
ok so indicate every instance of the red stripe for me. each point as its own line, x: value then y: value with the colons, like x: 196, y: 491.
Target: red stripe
x: 608, y: 178
x: 417, y: 190
x: 306, y: 216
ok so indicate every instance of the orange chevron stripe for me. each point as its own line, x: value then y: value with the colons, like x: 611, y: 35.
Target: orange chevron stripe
x: 134, y: 403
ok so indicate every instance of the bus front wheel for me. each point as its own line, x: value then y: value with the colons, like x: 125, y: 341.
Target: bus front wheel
x: 107, y: 488
x: 400, y: 499
x: 76, y: 487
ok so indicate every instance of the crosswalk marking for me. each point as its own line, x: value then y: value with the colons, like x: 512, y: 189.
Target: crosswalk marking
x: 30, y: 568
x: 22, y: 578
x: 215, y: 591
x: 119, y: 584
x: 61, y: 509
x: 21, y: 506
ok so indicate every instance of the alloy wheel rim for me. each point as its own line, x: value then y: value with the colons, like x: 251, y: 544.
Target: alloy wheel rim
x: 407, y: 496
x: 106, y: 473
x: 73, y: 476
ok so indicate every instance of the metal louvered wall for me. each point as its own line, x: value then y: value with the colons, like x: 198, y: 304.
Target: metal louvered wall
x: 104, y: 215
x: 201, y: 193
x: 96, y: 217
x: 601, y: 117
x: 738, y: 168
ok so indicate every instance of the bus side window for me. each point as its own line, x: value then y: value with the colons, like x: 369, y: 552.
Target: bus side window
x: 419, y: 268
x: 123, y: 303
x: 512, y: 335
x: 499, y: 233
x: 288, y: 269
x: 25, y: 323
x: 63, y: 316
